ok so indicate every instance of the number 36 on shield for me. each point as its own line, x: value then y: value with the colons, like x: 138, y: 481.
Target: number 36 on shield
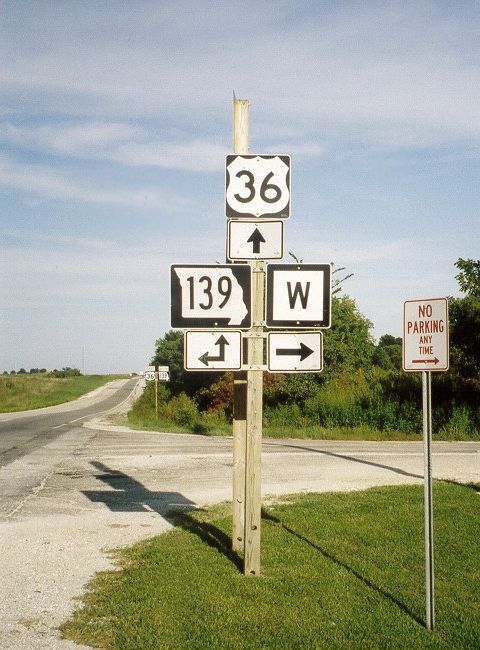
x: 258, y: 186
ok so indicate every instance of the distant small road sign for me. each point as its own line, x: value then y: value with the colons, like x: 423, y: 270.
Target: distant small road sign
x: 298, y: 295
x: 163, y: 373
x: 149, y: 375
x: 425, y: 335
x: 213, y: 350
x: 295, y: 352
x: 206, y: 297
x: 257, y: 186
x: 252, y: 240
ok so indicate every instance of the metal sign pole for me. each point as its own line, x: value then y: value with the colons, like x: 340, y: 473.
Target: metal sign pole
x: 156, y: 395
x: 427, y: 450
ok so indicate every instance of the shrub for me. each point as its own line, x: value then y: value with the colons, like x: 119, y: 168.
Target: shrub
x: 459, y: 426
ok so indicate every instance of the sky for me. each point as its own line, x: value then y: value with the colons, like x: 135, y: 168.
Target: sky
x: 115, y: 120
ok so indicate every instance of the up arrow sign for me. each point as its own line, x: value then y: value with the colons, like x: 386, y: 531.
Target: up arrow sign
x: 256, y: 238
x: 252, y: 240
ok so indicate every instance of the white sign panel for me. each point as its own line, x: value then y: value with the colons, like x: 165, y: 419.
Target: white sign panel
x: 149, y: 375
x: 215, y: 350
x: 211, y: 296
x: 298, y: 295
x: 425, y: 335
x: 257, y: 186
x: 250, y: 240
x: 163, y: 373
x: 295, y: 352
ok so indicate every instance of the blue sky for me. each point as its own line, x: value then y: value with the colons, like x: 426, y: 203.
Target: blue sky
x: 115, y: 119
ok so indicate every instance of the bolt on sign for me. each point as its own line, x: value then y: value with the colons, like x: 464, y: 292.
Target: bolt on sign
x: 425, y: 335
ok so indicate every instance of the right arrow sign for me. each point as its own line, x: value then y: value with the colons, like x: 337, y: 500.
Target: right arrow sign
x: 295, y: 352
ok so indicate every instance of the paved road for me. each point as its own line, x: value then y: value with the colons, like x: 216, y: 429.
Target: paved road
x: 99, y: 486
x: 21, y: 433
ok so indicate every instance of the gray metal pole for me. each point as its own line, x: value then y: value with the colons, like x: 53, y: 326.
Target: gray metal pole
x: 428, y: 503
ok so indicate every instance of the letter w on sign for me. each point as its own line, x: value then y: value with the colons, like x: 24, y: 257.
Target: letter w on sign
x: 298, y: 295
x: 298, y: 292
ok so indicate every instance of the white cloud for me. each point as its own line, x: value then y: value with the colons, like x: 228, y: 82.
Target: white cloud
x: 47, y: 181
x: 385, y: 74
x: 119, y: 142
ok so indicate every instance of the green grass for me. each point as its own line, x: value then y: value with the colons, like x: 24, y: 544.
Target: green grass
x: 339, y: 570
x: 24, y: 392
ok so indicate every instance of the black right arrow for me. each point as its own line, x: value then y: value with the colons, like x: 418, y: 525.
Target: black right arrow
x: 222, y: 342
x: 303, y: 351
x: 256, y: 238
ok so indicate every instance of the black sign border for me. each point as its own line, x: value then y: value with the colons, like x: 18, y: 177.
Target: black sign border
x: 243, y: 274
x: 326, y: 320
x: 233, y: 214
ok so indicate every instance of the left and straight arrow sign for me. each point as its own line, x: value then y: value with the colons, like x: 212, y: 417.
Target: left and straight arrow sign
x: 213, y: 350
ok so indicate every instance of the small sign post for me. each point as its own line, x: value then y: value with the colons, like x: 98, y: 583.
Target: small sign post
x: 425, y: 350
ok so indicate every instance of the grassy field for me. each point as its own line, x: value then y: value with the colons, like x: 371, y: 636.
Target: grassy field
x: 339, y: 571
x: 24, y: 392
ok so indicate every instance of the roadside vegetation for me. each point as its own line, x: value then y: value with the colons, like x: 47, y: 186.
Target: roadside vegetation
x: 23, y: 391
x: 339, y: 570
x: 362, y: 393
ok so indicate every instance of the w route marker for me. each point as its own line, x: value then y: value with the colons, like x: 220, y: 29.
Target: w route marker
x: 299, y: 295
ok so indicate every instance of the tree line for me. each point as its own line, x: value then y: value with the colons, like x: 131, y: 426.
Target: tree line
x: 362, y: 386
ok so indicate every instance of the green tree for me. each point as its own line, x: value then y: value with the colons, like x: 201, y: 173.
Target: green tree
x: 169, y: 352
x: 464, y: 321
x: 348, y: 344
x: 469, y: 276
x: 388, y: 352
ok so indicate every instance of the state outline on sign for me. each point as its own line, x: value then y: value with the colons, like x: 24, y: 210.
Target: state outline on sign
x: 222, y: 281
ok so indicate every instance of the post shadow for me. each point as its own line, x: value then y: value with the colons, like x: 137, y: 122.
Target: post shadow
x: 395, y: 470
x: 129, y: 495
x: 267, y: 516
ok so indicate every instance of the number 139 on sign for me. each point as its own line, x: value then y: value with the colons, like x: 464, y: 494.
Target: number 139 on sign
x: 257, y: 187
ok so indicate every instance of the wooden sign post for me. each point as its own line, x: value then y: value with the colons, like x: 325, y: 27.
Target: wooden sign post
x: 248, y: 402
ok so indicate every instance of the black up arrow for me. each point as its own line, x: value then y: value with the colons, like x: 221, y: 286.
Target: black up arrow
x: 303, y: 351
x: 222, y: 342
x: 256, y: 238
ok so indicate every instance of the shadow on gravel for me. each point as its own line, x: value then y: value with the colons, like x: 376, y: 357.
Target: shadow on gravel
x: 129, y: 495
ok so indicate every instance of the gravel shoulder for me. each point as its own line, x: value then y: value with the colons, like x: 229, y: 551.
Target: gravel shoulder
x: 102, y: 486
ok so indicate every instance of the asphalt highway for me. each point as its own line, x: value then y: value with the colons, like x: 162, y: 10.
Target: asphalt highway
x: 22, y: 433
x: 74, y: 484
